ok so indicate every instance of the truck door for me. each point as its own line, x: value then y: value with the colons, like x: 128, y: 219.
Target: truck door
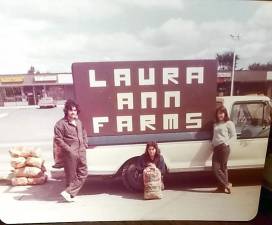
x: 252, y: 121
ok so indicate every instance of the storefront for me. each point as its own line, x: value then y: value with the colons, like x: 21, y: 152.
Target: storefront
x: 245, y: 82
x: 223, y: 83
x: 29, y: 89
x: 25, y: 89
x: 11, y: 89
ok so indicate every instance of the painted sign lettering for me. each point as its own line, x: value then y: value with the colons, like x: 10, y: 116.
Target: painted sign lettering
x: 146, y: 97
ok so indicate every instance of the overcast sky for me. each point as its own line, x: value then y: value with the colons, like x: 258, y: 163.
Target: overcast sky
x: 52, y: 34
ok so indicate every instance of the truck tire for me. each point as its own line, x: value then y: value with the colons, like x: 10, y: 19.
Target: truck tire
x: 131, y: 177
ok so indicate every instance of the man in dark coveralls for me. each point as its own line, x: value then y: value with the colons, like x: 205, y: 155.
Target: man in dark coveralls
x: 71, y: 137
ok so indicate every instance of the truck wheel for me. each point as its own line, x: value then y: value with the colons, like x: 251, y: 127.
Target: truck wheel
x: 132, y: 179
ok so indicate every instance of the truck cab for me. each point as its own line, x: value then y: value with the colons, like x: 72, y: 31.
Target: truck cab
x: 250, y: 114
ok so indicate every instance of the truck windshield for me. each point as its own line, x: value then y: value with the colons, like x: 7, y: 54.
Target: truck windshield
x: 251, y: 119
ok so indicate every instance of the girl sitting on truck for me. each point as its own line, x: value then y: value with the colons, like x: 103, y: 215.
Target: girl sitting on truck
x: 224, y: 134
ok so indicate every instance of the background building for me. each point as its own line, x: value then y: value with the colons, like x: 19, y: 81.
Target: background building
x: 27, y: 89
x: 245, y: 82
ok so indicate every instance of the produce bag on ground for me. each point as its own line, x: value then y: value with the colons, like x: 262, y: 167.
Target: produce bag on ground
x: 19, y: 181
x: 28, y: 172
x: 37, y: 180
x: 152, y: 182
x: 28, y: 166
x: 17, y: 162
x: 34, y: 161
x: 23, y: 151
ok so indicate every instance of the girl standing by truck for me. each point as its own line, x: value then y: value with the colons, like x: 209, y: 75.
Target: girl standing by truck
x: 224, y: 134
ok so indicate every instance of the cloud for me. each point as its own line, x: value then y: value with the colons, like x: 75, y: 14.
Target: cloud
x: 53, y: 36
x: 256, y: 39
x: 185, y: 38
x: 151, y: 4
x: 262, y: 19
x: 181, y: 38
x: 172, y: 32
x: 59, y: 10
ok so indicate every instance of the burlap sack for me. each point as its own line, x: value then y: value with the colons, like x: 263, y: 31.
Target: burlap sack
x: 17, y: 162
x: 19, y: 181
x: 23, y: 151
x: 28, y: 172
x: 37, y: 180
x: 152, y: 182
x: 153, y: 190
x: 34, y: 161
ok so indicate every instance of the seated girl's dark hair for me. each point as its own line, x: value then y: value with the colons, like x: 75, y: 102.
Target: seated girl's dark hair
x: 155, y: 145
x: 69, y: 104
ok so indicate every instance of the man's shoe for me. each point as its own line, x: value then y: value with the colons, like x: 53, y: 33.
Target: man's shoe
x: 67, y: 196
x: 219, y: 190
x: 58, y: 166
x: 228, y: 188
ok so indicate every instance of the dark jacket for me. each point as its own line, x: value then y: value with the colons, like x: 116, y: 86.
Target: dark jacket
x: 143, y: 162
x: 70, y: 137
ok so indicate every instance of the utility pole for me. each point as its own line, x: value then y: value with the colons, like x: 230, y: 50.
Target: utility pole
x: 235, y: 38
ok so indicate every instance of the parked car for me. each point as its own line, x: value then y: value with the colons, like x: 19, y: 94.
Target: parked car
x: 47, y: 102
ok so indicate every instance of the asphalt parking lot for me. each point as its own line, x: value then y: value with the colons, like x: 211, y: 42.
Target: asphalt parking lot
x: 108, y: 200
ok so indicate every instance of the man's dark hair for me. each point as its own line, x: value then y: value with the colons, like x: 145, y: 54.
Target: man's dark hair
x: 69, y: 104
x: 222, y: 109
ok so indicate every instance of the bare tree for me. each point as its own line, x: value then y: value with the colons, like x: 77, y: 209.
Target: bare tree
x: 260, y: 66
x: 31, y: 70
x: 225, y: 60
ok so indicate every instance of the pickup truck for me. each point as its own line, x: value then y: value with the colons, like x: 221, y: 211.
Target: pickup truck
x: 125, y: 104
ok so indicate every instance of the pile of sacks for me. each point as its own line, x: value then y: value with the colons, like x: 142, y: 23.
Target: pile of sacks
x: 28, y: 166
x: 152, y: 182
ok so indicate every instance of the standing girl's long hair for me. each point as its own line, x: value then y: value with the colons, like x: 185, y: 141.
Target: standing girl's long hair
x: 221, y: 109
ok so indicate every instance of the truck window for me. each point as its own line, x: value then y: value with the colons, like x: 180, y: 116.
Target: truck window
x: 251, y: 119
